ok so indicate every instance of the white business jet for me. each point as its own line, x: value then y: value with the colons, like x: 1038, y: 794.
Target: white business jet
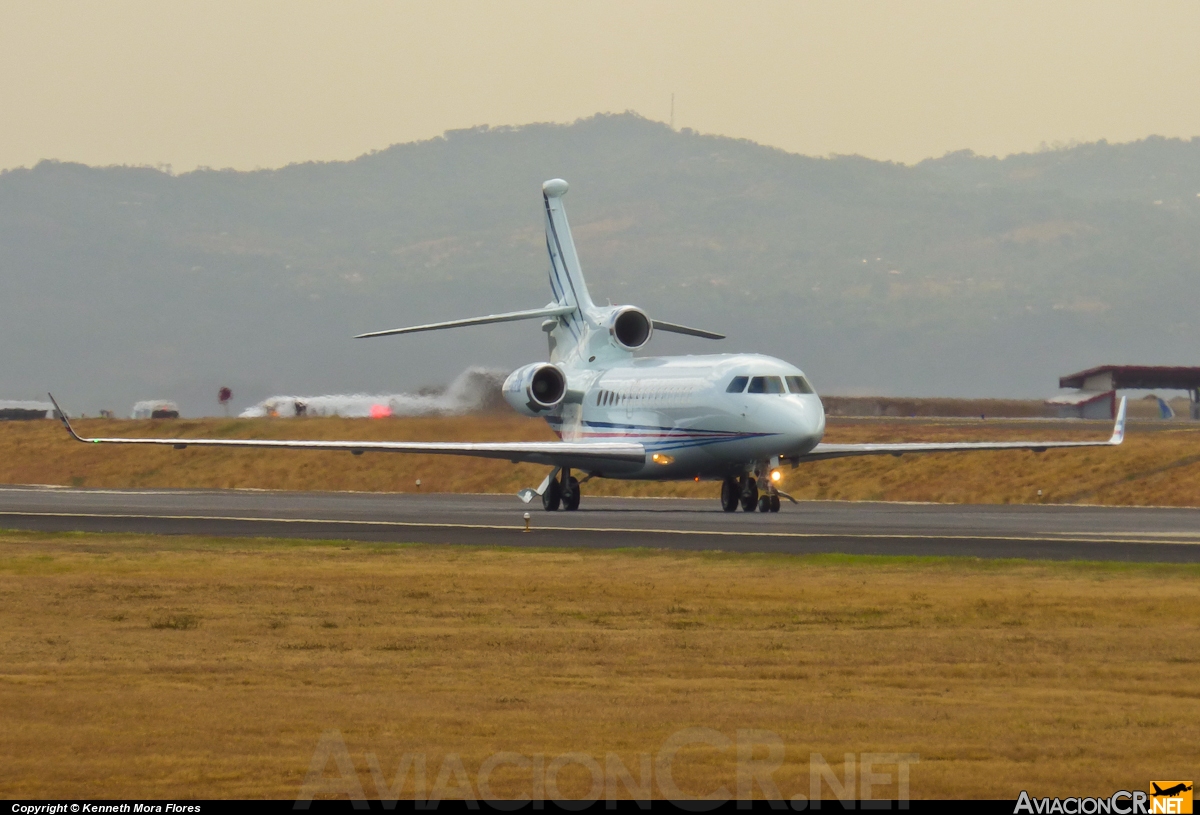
x: 733, y: 418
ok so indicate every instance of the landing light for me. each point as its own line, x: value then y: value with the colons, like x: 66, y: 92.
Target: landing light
x: 662, y: 458
x: 776, y: 475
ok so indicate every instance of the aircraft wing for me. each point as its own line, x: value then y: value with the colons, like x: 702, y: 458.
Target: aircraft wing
x: 825, y: 451
x: 608, y: 456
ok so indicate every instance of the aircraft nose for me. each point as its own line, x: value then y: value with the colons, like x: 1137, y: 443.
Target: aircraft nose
x: 804, y: 420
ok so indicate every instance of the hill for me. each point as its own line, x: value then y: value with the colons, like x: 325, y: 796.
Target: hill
x: 959, y: 276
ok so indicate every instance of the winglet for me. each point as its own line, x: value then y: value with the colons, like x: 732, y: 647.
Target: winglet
x: 62, y: 416
x: 1118, y: 435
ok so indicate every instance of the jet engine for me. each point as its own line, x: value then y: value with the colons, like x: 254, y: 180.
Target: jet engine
x: 629, y: 328
x: 535, y: 388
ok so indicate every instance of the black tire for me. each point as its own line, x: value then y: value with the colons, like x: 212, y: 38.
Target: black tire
x: 764, y: 503
x: 729, y: 495
x: 571, y: 499
x: 552, y: 497
x: 774, y: 503
x: 749, y: 497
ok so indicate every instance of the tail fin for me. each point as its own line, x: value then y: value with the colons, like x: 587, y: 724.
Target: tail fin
x: 572, y: 306
x: 566, y: 275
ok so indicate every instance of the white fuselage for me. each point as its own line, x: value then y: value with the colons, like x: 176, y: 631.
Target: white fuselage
x: 682, y: 411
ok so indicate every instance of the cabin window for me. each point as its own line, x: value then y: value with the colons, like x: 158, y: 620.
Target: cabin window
x: 798, y: 384
x: 738, y: 384
x: 766, y: 384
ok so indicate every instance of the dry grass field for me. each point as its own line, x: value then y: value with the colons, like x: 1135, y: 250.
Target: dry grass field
x: 175, y: 667
x: 1159, y: 464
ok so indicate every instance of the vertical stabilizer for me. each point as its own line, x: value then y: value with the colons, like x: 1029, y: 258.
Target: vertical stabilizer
x: 566, y: 275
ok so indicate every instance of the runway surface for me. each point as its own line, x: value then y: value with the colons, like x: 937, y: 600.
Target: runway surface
x: 1037, y: 532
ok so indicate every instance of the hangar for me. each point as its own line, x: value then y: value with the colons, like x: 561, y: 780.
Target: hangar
x: 1096, y: 388
x: 17, y: 409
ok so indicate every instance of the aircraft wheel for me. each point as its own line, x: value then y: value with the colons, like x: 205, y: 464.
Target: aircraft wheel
x: 749, y: 497
x: 570, y: 499
x: 552, y: 497
x: 774, y: 503
x: 729, y: 495
x: 764, y: 503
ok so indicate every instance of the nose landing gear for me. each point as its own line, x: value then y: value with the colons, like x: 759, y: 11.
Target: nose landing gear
x: 768, y: 503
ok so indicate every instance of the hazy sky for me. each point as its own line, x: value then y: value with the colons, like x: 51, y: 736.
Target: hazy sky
x: 245, y: 84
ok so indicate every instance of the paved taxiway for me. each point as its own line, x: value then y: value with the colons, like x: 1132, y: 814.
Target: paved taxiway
x: 1041, y: 532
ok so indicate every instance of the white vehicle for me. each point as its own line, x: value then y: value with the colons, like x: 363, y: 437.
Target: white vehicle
x: 733, y: 418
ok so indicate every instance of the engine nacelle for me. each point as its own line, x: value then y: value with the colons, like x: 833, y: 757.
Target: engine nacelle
x: 535, y: 388
x: 629, y: 328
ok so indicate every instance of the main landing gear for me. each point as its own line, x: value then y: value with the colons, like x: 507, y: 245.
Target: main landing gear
x: 562, y: 492
x: 743, y: 492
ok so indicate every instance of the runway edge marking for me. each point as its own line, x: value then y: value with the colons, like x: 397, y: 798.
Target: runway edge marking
x: 518, y: 528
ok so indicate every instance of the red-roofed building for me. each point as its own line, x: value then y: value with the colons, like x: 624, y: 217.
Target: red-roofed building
x: 1097, y: 394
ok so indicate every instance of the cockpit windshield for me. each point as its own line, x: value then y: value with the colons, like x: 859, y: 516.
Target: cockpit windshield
x: 766, y: 384
x: 770, y: 384
x: 798, y: 384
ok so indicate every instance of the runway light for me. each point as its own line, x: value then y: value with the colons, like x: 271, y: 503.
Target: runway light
x: 776, y: 475
x: 662, y: 458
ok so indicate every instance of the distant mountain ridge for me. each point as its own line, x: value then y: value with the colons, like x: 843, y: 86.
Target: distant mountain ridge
x: 958, y: 276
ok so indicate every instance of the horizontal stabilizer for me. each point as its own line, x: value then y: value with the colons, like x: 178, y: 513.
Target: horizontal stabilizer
x: 674, y: 328
x: 530, y: 314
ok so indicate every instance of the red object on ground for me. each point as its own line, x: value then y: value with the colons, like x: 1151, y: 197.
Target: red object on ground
x: 380, y: 411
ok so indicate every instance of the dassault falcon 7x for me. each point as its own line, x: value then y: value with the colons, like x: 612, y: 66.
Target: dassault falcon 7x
x: 733, y: 418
